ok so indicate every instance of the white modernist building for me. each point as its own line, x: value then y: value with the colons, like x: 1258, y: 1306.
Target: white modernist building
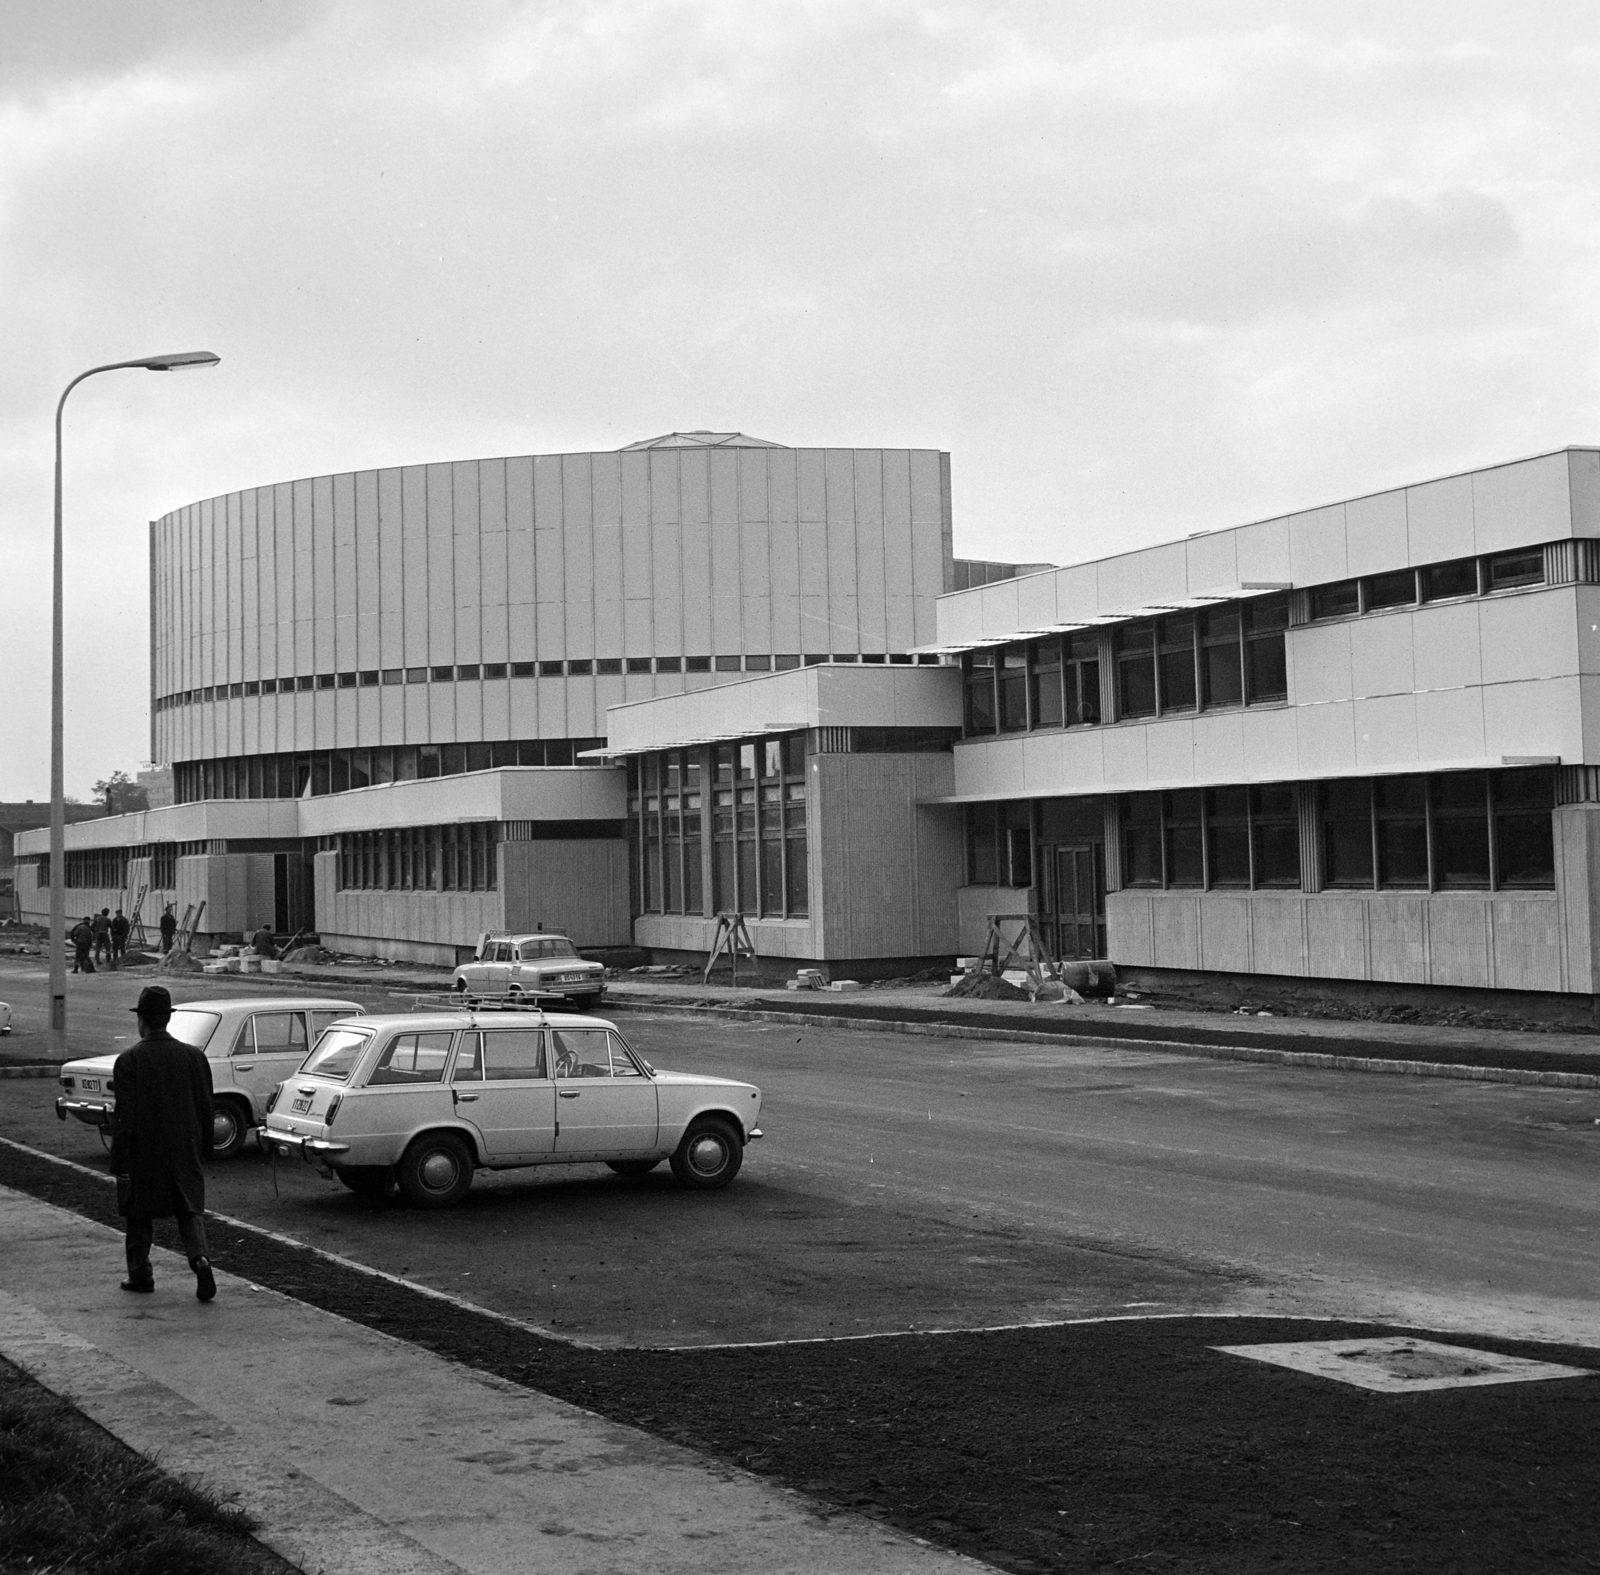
x: 383, y: 694
x: 620, y: 693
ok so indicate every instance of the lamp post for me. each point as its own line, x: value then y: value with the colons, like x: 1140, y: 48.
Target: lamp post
x: 58, y: 813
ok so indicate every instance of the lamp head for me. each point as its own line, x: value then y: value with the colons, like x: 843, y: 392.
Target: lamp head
x: 178, y: 360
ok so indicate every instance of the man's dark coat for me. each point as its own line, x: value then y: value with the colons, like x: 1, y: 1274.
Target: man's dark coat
x: 162, y: 1127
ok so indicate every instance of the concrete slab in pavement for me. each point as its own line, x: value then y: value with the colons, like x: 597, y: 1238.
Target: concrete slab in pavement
x: 361, y: 1452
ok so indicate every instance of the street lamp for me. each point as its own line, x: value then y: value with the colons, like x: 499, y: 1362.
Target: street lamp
x: 58, y: 814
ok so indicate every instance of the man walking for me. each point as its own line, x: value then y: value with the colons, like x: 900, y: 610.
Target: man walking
x: 82, y: 938
x: 119, y: 937
x: 161, y: 1130
x: 169, y: 928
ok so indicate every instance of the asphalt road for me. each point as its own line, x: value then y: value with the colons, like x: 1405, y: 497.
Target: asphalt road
x: 925, y: 1183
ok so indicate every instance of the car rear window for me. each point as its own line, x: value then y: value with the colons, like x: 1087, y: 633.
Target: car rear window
x: 551, y: 946
x: 193, y: 1028
x: 336, y: 1053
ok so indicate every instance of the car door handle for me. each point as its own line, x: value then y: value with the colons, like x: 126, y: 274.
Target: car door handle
x: 464, y: 1099
x: 244, y: 1066
x: 570, y: 1093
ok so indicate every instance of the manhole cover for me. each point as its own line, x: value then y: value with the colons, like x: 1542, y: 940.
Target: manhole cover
x: 1397, y: 1363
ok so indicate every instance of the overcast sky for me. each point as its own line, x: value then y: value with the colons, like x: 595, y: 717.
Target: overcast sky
x: 1142, y: 269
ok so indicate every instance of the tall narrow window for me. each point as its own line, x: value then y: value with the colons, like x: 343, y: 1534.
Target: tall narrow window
x: 1013, y: 676
x: 1185, y: 860
x: 1524, y: 827
x: 1401, y: 808
x: 1081, y: 679
x: 1275, y: 834
x: 1266, y: 664
x: 1347, y: 833
x: 1228, y: 835
x: 1136, y: 672
x: 983, y: 846
x: 1221, y: 658
x: 1141, y: 839
x: 979, y: 682
x: 1044, y: 684
x: 1461, y: 830
x: 1176, y: 663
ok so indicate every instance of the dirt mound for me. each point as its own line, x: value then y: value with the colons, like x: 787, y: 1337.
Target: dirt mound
x: 986, y: 987
x: 177, y: 962
x: 309, y: 954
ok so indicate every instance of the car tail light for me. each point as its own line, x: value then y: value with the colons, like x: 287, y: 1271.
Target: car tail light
x: 333, y: 1109
x: 272, y: 1098
x: 66, y: 1082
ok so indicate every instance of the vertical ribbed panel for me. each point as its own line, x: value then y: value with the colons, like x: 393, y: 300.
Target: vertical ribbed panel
x: 1311, y: 873
x: 1113, y: 823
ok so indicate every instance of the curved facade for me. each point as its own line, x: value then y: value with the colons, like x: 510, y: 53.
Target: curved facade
x: 505, y: 601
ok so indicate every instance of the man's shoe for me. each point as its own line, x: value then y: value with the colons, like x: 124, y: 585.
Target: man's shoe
x: 142, y: 1286
x: 205, y: 1282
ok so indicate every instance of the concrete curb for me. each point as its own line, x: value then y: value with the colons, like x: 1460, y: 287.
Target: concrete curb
x: 1526, y: 1076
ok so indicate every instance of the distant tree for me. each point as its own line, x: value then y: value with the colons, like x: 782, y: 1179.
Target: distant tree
x: 121, y: 795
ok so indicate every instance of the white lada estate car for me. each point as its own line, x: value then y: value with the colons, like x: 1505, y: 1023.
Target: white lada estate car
x: 542, y: 964
x: 426, y: 1098
x: 252, y: 1046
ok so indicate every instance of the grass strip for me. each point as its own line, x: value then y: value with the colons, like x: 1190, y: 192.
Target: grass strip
x: 73, y: 1498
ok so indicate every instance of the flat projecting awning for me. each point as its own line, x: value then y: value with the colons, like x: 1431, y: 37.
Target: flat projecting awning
x: 622, y: 751
x: 1178, y: 604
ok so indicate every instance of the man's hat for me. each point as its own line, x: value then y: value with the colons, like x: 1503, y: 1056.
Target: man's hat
x: 155, y: 996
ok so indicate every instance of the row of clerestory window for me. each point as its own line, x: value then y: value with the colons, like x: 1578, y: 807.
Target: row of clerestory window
x: 1224, y: 657
x: 571, y: 667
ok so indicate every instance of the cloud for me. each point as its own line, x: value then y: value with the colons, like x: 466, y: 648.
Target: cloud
x: 1142, y: 268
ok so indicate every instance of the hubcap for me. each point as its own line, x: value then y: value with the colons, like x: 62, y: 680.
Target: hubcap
x: 439, y: 1172
x: 706, y: 1154
x: 223, y: 1126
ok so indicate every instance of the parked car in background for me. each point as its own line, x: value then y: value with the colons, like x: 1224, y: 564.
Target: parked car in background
x: 424, y: 1099
x: 5, y: 1018
x: 540, y: 964
x: 252, y: 1046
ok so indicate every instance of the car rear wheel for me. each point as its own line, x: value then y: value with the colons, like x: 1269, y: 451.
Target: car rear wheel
x: 709, y: 1155
x: 230, y: 1126
x: 436, y: 1171
x: 368, y: 1181
x: 632, y: 1167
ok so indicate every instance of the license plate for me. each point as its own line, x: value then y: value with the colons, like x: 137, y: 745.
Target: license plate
x: 90, y: 1085
x: 299, y: 1107
x: 572, y: 978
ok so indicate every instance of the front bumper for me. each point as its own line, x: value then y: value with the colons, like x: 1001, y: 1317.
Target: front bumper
x: 315, y: 1151
x: 97, y: 1115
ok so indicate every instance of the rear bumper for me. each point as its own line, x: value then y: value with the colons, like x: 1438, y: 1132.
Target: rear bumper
x: 97, y: 1115
x: 316, y: 1151
x: 753, y: 1134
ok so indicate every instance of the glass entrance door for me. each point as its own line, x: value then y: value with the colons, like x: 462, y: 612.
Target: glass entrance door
x: 1073, y: 914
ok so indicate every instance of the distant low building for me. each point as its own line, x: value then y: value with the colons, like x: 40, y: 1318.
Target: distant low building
x: 27, y: 816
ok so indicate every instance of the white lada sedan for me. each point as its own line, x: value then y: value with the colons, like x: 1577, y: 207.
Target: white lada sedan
x: 531, y: 965
x: 426, y: 1098
x: 252, y: 1046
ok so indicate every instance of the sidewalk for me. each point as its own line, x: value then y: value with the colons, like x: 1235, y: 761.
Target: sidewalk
x: 361, y: 1453
x: 1569, y: 1060
x: 1559, y: 1059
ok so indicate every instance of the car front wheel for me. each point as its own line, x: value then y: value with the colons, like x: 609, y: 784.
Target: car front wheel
x: 436, y: 1171
x: 709, y: 1155
x: 230, y: 1126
